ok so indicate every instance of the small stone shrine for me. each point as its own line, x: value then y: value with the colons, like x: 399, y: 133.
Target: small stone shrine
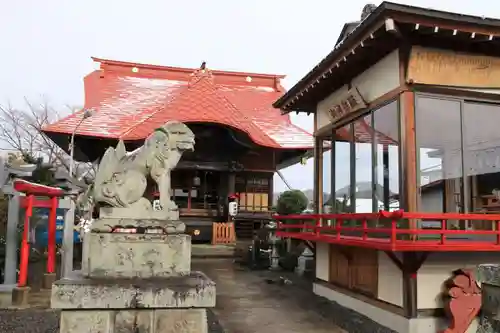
x: 136, y: 271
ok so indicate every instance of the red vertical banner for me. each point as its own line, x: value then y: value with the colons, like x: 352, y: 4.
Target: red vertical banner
x: 51, y: 228
x: 25, y: 248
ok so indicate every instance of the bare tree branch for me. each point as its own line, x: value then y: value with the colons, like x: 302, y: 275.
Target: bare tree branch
x: 21, y: 130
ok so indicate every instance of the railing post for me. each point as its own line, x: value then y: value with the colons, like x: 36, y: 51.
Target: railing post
x: 394, y: 225
x: 318, y: 225
x: 338, y: 227
x: 365, y: 226
x: 443, y: 230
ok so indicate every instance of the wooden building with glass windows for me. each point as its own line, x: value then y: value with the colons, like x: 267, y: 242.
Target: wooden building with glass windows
x: 241, y: 140
x: 409, y: 99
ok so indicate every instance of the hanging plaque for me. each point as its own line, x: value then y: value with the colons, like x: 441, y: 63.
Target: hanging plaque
x: 348, y: 104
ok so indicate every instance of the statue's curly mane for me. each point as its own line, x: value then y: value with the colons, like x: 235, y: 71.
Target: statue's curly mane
x: 121, y: 179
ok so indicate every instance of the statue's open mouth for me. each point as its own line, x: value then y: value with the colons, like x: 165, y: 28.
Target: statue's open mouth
x: 186, y: 145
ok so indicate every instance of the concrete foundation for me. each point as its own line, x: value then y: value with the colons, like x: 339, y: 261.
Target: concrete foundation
x: 48, y: 280
x: 20, y: 296
x: 133, y: 283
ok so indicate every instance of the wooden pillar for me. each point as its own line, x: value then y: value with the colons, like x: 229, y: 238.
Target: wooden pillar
x: 408, y: 174
x: 231, y: 187
x: 408, y: 152
x: 318, y: 175
x: 386, y: 182
x: 270, y: 192
x: 352, y: 166
x: 333, y: 185
x: 318, y: 170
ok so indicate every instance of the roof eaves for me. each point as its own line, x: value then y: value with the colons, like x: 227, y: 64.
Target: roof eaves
x: 383, y: 10
x: 339, y: 48
x: 440, y: 14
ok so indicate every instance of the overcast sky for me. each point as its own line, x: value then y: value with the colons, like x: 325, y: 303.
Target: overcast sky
x: 47, y: 44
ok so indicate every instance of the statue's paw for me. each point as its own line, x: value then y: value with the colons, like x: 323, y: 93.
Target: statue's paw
x: 142, y: 204
x: 170, y: 205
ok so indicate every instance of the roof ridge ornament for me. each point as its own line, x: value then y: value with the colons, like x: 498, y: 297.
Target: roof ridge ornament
x: 367, y: 10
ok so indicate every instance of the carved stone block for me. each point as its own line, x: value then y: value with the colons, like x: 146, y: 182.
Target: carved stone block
x: 134, y: 213
x: 134, y: 321
x: 181, y: 321
x: 136, y: 255
x: 86, y: 321
x: 77, y: 292
x: 107, y: 224
x: 489, y: 276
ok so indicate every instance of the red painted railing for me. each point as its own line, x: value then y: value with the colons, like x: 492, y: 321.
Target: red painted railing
x: 394, y: 231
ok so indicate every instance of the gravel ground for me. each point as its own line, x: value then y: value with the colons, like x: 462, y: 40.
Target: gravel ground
x: 47, y: 321
x: 29, y: 321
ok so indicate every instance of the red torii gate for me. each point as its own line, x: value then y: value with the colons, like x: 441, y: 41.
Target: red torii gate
x: 31, y: 190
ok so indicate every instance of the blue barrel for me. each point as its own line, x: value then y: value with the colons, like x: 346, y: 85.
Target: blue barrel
x: 41, y: 228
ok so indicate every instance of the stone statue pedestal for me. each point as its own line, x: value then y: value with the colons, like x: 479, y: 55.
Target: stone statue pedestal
x: 133, y: 282
x: 489, y: 276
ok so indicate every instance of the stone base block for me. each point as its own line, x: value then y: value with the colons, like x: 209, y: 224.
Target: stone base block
x: 136, y: 255
x: 134, y: 213
x: 169, y: 226
x: 48, y: 280
x: 6, y: 295
x: 143, y: 321
x: 195, y: 290
x: 20, y: 296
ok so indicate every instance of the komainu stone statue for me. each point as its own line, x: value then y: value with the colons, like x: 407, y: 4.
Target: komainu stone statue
x: 136, y: 263
x: 122, y: 177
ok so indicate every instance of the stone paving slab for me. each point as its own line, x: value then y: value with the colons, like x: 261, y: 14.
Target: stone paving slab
x: 246, y: 303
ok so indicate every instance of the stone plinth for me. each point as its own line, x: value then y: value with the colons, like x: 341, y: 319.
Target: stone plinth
x: 136, y: 255
x: 135, y: 282
x: 489, y: 276
x: 141, y: 321
x: 195, y: 290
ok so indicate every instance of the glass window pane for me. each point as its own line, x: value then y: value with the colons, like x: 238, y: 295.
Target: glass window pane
x: 439, y: 155
x: 363, y: 145
x: 327, y: 175
x: 386, y: 133
x: 482, y: 157
x: 342, y: 169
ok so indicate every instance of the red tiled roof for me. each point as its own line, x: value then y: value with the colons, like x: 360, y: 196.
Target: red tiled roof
x: 130, y: 100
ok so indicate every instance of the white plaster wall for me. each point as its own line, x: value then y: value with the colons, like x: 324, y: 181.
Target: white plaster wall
x: 380, y: 78
x: 390, y: 280
x: 323, y: 261
x: 439, y: 267
x: 377, y: 80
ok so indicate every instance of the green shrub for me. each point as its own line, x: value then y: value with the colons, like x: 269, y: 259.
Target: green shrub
x: 291, y: 202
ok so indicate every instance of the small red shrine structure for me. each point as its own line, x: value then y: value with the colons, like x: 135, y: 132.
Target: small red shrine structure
x: 410, y: 100
x: 241, y: 140
x: 32, y: 199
